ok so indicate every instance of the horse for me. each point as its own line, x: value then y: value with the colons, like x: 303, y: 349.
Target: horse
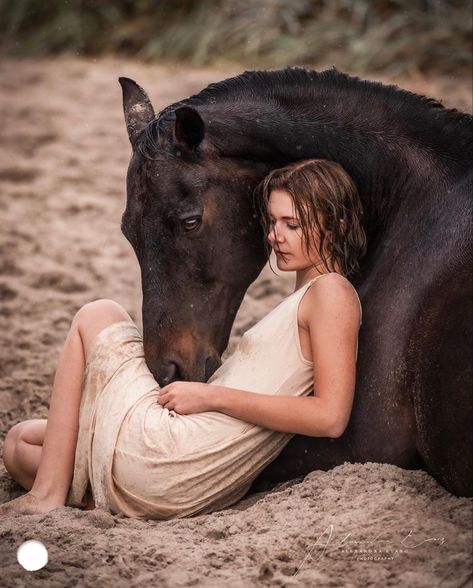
x: 191, y: 219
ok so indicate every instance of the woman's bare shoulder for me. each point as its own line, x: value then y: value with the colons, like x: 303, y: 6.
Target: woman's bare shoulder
x: 330, y: 292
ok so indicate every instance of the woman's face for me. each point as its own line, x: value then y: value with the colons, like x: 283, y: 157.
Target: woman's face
x: 285, y: 235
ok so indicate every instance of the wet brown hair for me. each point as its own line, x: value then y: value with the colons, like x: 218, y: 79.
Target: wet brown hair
x: 319, y: 187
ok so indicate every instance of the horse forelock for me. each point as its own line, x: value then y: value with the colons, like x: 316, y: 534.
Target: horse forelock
x: 150, y: 144
x: 147, y: 141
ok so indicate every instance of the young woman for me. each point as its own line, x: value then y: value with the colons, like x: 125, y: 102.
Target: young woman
x: 116, y: 440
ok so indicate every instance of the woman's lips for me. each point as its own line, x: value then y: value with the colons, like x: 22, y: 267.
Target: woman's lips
x: 281, y: 253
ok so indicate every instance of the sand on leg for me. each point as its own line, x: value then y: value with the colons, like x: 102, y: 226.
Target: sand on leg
x: 56, y: 463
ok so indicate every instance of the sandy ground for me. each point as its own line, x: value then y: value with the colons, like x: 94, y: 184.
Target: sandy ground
x: 63, y: 159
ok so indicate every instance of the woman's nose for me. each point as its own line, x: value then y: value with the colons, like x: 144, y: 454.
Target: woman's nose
x: 273, y: 235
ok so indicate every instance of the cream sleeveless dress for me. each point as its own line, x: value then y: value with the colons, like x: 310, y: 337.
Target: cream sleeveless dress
x: 146, y: 461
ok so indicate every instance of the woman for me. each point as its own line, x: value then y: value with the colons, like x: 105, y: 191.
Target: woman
x: 114, y: 439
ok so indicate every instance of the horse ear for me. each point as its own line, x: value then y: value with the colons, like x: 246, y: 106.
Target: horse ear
x: 189, y: 128
x: 136, y: 107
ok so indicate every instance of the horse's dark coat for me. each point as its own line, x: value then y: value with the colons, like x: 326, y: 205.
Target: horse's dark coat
x: 190, y: 219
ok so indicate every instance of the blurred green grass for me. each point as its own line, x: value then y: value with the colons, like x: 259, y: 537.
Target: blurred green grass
x: 393, y: 36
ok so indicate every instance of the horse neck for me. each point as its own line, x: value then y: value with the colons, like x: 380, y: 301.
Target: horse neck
x: 285, y: 138
x: 388, y: 153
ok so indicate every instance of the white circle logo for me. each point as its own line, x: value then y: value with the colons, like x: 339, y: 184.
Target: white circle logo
x: 32, y: 555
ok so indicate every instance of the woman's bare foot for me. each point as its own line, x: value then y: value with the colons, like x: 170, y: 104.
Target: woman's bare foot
x: 29, y: 504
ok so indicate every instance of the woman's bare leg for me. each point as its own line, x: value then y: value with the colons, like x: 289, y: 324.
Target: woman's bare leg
x: 22, y: 450
x: 22, y: 453
x: 56, y: 465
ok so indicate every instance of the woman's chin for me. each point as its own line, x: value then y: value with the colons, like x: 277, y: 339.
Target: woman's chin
x: 283, y: 263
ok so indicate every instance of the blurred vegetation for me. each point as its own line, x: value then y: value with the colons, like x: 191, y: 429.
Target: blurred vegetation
x: 362, y: 35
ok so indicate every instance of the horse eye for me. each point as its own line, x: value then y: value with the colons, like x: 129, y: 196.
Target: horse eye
x: 190, y: 224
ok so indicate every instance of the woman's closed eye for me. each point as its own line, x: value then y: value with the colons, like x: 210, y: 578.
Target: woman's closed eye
x: 290, y: 226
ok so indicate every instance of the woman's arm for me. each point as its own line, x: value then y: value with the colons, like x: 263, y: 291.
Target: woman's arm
x: 304, y: 415
x: 333, y: 319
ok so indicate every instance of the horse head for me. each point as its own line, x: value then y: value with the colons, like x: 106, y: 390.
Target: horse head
x: 190, y: 220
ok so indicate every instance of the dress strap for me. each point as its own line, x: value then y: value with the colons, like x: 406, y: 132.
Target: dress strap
x: 316, y: 278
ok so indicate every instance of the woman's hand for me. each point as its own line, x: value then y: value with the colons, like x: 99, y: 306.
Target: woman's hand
x: 187, y: 397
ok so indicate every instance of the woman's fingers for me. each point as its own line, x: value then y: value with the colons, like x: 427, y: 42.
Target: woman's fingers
x: 164, y: 399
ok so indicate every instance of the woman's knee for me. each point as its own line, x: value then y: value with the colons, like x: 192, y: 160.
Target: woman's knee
x: 30, y: 428
x: 95, y: 316
x: 101, y: 312
x: 25, y: 433
x: 14, y: 433
x: 9, y: 446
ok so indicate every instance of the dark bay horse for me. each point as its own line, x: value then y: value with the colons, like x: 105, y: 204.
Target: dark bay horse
x: 191, y: 220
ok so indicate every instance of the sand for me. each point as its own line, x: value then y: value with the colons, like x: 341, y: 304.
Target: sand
x: 63, y: 159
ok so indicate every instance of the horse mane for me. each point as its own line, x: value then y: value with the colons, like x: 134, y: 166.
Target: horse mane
x: 292, y: 85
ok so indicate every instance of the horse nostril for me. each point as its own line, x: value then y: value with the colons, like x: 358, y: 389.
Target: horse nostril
x: 167, y: 373
x: 172, y: 371
x: 211, y: 365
